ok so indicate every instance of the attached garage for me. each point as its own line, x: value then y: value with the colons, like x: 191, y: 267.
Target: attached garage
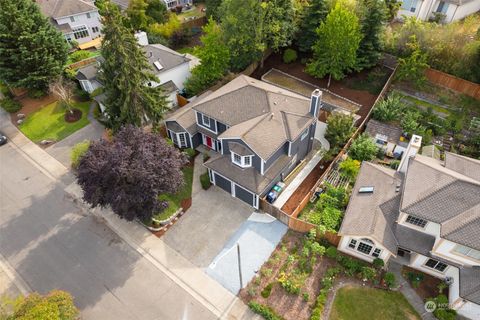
x: 222, y: 183
x: 238, y: 192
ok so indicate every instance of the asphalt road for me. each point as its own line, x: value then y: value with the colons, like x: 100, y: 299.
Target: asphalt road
x: 52, y: 244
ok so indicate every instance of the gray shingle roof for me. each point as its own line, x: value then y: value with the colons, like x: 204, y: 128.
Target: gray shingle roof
x: 167, y: 57
x: 64, y: 8
x: 239, y: 149
x: 467, y: 166
x: 374, y: 214
x: 392, y: 132
x: 88, y: 72
x: 470, y: 284
x: 248, y: 178
x: 414, y: 240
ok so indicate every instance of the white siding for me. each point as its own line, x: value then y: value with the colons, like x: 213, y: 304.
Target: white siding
x: 431, y: 227
x: 343, y: 246
x: 425, y: 9
x: 444, y: 250
x: 82, y: 20
x: 178, y: 75
x: 469, y: 310
x: 462, y: 11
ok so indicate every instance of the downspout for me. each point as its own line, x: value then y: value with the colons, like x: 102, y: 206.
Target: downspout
x: 454, y: 13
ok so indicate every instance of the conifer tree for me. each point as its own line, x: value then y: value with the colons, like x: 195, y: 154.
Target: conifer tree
x: 315, y: 13
x: 127, y: 77
x: 32, y: 51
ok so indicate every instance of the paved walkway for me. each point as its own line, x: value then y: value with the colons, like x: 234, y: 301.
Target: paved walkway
x: 193, y: 280
x: 404, y: 287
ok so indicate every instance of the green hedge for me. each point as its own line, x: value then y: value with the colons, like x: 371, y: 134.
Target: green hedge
x: 265, y: 311
x: 10, y: 105
x: 205, y: 181
x: 78, y: 151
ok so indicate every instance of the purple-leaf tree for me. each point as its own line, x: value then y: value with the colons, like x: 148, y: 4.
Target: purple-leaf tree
x: 129, y: 172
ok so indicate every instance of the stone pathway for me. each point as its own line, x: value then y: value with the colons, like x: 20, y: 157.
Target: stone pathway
x: 404, y: 287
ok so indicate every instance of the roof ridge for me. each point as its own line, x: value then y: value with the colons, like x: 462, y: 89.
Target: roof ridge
x: 285, y: 125
x: 217, y: 97
x: 465, y: 217
x: 447, y: 171
x: 262, y: 117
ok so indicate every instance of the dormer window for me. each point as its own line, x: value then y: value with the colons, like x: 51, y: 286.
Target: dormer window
x: 416, y: 221
x: 242, y: 161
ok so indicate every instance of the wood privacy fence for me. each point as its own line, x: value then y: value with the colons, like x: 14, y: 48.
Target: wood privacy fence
x: 451, y: 82
x: 296, y: 224
x: 82, y: 63
x: 199, y: 22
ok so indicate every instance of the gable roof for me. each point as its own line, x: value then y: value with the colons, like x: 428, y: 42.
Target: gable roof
x: 470, y: 283
x: 374, y: 214
x: 264, y: 116
x: 164, y: 57
x: 392, y: 132
x: 64, y: 8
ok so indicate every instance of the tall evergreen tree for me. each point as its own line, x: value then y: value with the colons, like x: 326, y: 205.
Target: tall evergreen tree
x: 32, y: 51
x: 279, y: 23
x: 314, y: 14
x: 242, y: 24
x: 374, y: 15
x: 126, y: 75
x: 335, y: 51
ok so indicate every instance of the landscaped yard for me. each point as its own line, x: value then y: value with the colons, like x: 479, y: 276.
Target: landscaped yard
x: 175, y: 200
x: 371, y: 304
x: 196, y: 12
x: 48, y: 123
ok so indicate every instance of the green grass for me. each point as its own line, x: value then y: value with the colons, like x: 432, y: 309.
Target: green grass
x: 174, y: 200
x: 371, y: 304
x: 195, y: 11
x: 91, y: 54
x: 48, y: 123
x: 425, y: 105
x: 186, y: 50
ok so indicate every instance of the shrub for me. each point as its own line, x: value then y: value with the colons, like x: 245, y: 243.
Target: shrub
x: 349, y: 168
x: 79, y: 55
x: 389, y: 109
x: 368, y: 273
x: 331, y: 252
x: 205, y: 181
x: 266, y: 272
x: 394, y: 164
x: 263, y: 310
x: 415, y: 278
x: 443, y: 311
x: 190, y: 153
x: 363, y: 148
x: 351, y: 266
x: 389, y: 279
x: 36, y: 94
x: 78, y: 151
x: 289, y: 55
x: 305, y: 296
x: 10, y: 105
x: 267, y: 290
x: 327, y: 283
x: 205, y: 157
x: 378, y: 263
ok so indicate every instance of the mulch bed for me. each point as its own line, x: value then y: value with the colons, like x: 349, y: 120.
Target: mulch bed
x: 305, y: 187
x: 428, y: 287
x: 30, y: 105
x: 73, y: 116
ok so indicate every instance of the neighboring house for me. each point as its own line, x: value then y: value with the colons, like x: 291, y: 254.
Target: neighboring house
x: 388, y: 137
x: 78, y: 20
x: 171, y: 68
x: 170, y: 4
x: 259, y: 131
x: 451, y: 10
x: 426, y: 215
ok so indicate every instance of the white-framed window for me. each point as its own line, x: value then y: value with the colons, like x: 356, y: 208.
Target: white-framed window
x: 242, y: 161
x: 466, y: 251
x: 416, y: 221
x: 72, y: 18
x: 95, y: 29
x: 436, y: 265
x: 365, y: 246
x: 409, y: 5
x: 205, y: 120
x: 179, y: 139
x: 88, y: 15
x: 442, y: 7
x: 304, y: 134
x: 80, y: 32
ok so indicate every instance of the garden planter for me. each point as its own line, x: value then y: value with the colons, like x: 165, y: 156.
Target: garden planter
x: 167, y: 221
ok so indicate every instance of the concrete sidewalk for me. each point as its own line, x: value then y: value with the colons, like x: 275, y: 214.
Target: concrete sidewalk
x: 193, y: 280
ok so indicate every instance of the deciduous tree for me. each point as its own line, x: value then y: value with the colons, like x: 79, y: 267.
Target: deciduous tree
x: 32, y: 51
x: 335, y: 50
x: 279, y: 23
x: 363, y: 148
x: 213, y: 9
x: 130, y: 172
x: 314, y: 14
x: 215, y: 57
x: 392, y: 6
x: 412, y: 67
x: 126, y: 75
x: 339, y: 129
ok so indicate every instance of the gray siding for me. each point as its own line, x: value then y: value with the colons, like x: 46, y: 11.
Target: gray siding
x: 282, y: 150
x: 244, y: 195
x: 257, y: 161
x: 212, y: 122
x: 302, y: 147
x: 221, y: 127
x: 197, y: 140
x: 223, y: 183
x: 279, y: 177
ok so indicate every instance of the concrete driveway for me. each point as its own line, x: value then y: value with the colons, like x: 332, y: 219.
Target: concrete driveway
x: 212, y: 219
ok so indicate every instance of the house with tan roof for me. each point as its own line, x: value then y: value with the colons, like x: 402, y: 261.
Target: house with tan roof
x: 425, y: 215
x: 259, y: 132
x: 78, y: 20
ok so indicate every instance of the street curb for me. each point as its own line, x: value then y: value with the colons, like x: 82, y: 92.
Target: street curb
x: 13, y: 275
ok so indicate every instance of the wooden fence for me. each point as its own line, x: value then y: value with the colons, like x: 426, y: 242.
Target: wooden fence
x: 294, y: 223
x: 451, y: 82
x: 82, y: 63
x: 199, y: 22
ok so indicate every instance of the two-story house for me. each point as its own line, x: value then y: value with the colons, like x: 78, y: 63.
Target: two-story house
x: 259, y: 131
x: 171, y: 68
x: 451, y: 10
x: 78, y: 20
x: 425, y: 215
x: 170, y: 4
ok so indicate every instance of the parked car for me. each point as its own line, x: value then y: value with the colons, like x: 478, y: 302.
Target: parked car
x: 3, y: 139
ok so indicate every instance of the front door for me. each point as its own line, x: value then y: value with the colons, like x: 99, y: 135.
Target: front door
x: 209, y: 142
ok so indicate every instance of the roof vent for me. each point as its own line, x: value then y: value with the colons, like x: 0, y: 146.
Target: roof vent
x: 158, y: 65
x: 366, y: 189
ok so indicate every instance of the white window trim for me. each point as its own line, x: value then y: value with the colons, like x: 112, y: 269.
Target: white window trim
x: 359, y: 241
x: 204, y: 142
x: 177, y: 136
x: 242, y: 160
x: 200, y: 122
x: 464, y: 255
x: 204, y: 117
x: 414, y: 225
x: 433, y: 269
x: 305, y: 134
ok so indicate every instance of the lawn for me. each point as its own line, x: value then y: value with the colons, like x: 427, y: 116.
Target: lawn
x: 371, y: 304
x: 194, y: 12
x: 48, y: 123
x: 175, y: 200
x: 424, y: 105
